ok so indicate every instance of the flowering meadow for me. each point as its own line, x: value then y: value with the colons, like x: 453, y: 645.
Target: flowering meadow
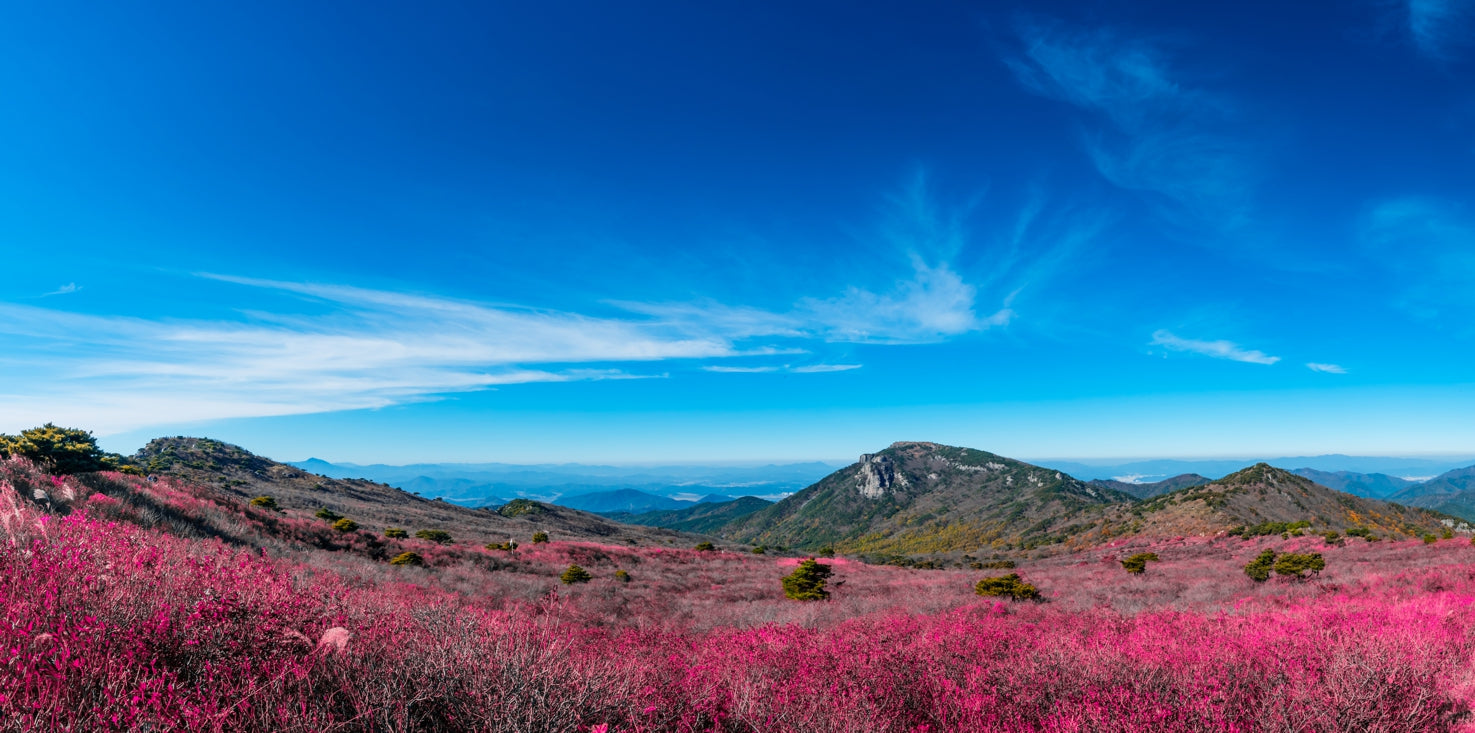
x: 130, y: 605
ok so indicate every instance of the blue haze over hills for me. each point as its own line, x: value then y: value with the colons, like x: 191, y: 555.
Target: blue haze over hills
x: 636, y: 489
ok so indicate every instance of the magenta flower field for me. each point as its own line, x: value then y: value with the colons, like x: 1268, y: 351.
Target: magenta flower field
x: 114, y: 620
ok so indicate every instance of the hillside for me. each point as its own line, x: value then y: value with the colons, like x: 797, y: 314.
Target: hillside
x: 1263, y: 494
x: 237, y: 473
x: 1370, y: 485
x: 930, y: 498
x: 1452, y: 492
x: 1156, y: 488
x: 705, y: 518
x: 621, y: 500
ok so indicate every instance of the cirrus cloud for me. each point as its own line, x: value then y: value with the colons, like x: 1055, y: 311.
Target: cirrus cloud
x: 1220, y: 349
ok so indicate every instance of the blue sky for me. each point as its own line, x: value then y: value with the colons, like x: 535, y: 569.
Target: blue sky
x: 697, y: 231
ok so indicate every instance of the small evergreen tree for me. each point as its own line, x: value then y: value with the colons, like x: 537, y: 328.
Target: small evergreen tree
x: 1259, y: 568
x: 540, y: 537
x: 1430, y: 539
x: 1008, y: 586
x: 622, y: 576
x: 395, y: 533
x: 266, y: 502
x: 1294, y: 565
x: 1137, y: 564
x: 759, y: 550
x: 328, y: 515
x: 575, y: 574
x: 62, y: 450
x: 1447, y: 533
x: 807, y: 582
x: 705, y: 547
x: 345, y: 525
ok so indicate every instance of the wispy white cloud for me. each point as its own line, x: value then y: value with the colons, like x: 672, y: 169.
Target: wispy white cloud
x: 1161, y: 136
x: 824, y: 368
x: 927, y: 299
x: 63, y: 290
x: 355, y: 348
x: 769, y: 369
x: 1440, y: 29
x: 1220, y: 349
x: 740, y: 369
x: 374, y: 349
x: 1325, y: 368
x: 932, y: 305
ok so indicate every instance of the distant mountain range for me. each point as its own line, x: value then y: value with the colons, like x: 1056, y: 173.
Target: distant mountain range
x: 490, y: 484
x: 1148, y: 490
x: 632, y: 501
x: 1374, y: 485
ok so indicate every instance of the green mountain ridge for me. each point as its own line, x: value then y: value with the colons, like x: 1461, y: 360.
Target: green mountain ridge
x: 706, y: 518
x: 1452, y: 492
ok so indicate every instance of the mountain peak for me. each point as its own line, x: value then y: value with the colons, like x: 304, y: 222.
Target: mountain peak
x: 1263, y: 473
x: 916, y: 445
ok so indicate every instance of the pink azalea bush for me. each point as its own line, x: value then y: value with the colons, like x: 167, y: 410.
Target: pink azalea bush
x: 115, y: 624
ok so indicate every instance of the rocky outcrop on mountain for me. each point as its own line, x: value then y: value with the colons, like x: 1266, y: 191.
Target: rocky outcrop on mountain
x: 919, y: 497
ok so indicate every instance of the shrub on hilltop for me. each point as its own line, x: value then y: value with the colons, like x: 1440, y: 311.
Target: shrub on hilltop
x: 266, y: 502
x: 345, y: 525
x: 395, y: 533
x: 327, y: 515
x: 1007, y: 586
x: 540, y: 537
x: 704, y: 547
x: 807, y: 582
